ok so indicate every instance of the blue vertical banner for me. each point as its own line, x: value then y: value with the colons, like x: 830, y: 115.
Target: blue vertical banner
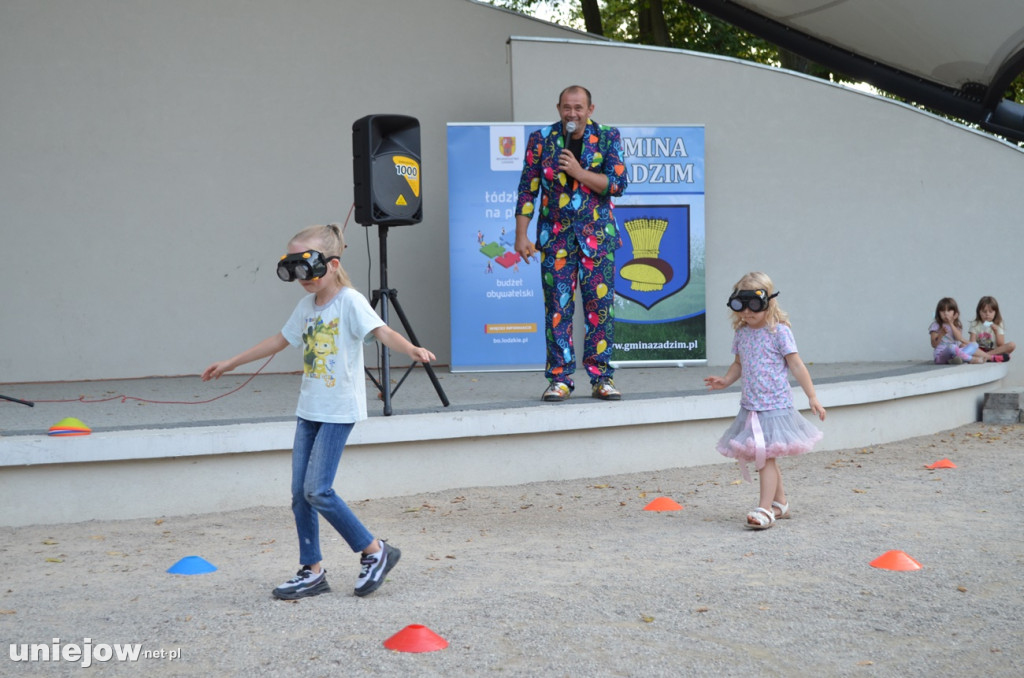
x: 497, y: 316
x: 660, y: 283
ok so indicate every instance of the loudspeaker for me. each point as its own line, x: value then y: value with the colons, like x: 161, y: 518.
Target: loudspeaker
x: 386, y: 170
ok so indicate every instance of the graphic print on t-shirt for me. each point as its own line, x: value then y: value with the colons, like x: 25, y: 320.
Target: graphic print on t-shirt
x: 321, y: 350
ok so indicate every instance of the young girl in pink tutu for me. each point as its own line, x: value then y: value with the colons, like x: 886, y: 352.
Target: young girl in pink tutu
x: 768, y: 425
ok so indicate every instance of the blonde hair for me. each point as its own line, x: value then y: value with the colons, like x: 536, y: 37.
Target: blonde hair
x: 328, y: 241
x: 756, y: 280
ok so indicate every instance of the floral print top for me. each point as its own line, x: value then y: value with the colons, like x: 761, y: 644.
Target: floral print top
x: 986, y: 334
x: 765, y: 374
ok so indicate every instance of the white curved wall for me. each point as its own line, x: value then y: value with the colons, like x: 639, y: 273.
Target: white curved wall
x: 155, y: 157
x: 865, y: 212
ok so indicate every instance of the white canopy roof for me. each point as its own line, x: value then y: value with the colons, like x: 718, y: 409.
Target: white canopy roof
x: 954, y: 56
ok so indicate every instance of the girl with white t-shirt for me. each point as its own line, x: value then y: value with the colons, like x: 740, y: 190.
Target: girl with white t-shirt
x: 330, y: 324
x: 987, y: 330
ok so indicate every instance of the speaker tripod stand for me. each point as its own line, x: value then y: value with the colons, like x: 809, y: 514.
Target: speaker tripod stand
x: 22, y: 402
x: 384, y: 296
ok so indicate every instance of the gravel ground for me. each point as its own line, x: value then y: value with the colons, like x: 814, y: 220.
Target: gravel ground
x: 569, y: 578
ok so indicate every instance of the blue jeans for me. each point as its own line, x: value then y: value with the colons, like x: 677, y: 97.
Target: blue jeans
x: 315, y: 458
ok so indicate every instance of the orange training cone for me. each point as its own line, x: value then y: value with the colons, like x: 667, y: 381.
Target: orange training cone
x: 942, y: 463
x: 415, y: 638
x: 895, y: 560
x: 663, y: 504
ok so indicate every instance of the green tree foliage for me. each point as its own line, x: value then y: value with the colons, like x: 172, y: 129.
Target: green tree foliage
x: 663, y: 23
x: 1015, y: 91
x: 677, y: 24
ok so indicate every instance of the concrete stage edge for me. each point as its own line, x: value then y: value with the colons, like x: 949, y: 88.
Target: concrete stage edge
x: 133, y: 468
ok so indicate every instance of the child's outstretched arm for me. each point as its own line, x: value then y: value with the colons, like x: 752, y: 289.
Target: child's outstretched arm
x: 396, y: 342
x: 803, y: 377
x: 734, y: 372
x: 267, y: 347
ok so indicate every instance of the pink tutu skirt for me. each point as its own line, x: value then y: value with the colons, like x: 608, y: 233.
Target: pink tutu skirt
x: 759, y: 436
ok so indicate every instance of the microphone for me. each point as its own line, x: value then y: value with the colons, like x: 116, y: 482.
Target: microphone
x: 570, y: 128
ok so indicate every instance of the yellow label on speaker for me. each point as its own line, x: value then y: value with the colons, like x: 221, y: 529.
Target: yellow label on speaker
x: 401, y: 200
x: 409, y: 169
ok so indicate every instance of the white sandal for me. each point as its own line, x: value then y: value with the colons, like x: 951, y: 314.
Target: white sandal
x: 783, y: 510
x: 764, y: 518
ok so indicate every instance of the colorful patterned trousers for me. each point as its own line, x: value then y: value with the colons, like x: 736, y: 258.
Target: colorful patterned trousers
x: 564, y: 267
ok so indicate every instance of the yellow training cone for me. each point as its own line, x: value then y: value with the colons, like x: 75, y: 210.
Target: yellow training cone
x: 70, y: 427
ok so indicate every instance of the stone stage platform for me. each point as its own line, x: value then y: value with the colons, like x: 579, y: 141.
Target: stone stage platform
x: 177, y: 445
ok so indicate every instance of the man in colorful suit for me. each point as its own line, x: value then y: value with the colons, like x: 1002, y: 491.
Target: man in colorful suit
x: 575, y: 166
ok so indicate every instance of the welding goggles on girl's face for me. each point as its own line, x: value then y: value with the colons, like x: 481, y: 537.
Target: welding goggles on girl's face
x: 308, y: 265
x: 755, y: 300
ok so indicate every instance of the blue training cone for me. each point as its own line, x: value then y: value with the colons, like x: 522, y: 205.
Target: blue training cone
x: 192, y: 565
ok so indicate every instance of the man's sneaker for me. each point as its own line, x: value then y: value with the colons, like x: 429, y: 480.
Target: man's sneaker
x: 556, y: 392
x: 375, y: 568
x: 605, y: 390
x: 304, y: 583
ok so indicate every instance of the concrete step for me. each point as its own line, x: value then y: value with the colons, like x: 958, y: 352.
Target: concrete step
x: 1003, y: 406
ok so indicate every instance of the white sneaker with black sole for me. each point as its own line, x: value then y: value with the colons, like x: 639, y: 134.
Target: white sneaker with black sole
x: 305, y: 583
x: 375, y: 568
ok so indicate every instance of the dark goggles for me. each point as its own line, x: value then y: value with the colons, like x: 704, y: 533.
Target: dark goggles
x: 308, y: 265
x: 755, y: 300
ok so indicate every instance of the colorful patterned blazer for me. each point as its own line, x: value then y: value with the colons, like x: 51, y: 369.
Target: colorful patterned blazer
x: 564, y: 202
